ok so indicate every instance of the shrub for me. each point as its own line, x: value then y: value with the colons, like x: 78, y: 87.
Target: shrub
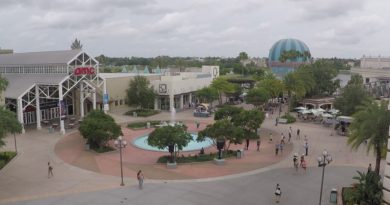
x: 143, y: 112
x: 290, y: 118
x: 197, y: 157
x: 5, y: 157
x: 102, y: 149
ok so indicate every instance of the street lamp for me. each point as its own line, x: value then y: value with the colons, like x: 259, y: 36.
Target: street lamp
x: 121, y: 143
x: 323, y: 160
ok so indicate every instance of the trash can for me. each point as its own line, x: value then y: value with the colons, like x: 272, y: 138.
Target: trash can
x: 238, y: 154
x: 242, y: 152
x: 148, y: 125
x: 333, y: 196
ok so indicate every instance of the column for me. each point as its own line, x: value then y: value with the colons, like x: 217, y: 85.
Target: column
x: 106, y: 105
x: 20, y: 113
x: 156, y: 103
x: 60, y: 99
x: 38, y: 108
x: 94, y: 99
x: 190, y: 98
x: 386, y: 180
x: 81, y: 99
x: 171, y: 103
x: 181, y: 102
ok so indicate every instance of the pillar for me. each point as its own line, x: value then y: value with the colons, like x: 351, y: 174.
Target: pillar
x: 156, y: 103
x: 181, y: 102
x: 60, y: 99
x: 20, y: 113
x: 38, y: 108
x: 171, y: 102
x: 106, y: 105
x: 81, y: 99
x: 94, y: 99
x: 190, y: 98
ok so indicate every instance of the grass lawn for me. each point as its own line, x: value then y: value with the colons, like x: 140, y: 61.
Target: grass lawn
x: 5, y: 157
x: 142, y: 113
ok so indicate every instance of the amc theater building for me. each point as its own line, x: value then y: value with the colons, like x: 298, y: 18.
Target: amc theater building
x: 46, y: 87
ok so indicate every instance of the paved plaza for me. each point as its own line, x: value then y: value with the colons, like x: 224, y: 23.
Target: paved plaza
x: 82, y: 177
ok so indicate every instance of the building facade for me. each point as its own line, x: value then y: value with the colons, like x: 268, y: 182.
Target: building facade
x: 373, y: 69
x: 53, y: 86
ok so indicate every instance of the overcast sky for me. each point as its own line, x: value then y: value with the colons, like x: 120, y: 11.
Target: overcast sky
x: 148, y: 28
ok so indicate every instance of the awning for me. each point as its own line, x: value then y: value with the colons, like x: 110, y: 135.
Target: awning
x: 20, y: 83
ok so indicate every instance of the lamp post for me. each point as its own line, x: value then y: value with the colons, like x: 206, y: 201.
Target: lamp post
x: 323, y: 160
x: 121, y: 143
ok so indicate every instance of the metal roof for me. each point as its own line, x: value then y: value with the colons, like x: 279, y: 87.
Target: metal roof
x: 38, y: 58
x: 20, y: 83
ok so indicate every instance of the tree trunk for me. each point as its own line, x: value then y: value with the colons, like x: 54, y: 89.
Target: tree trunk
x: 378, y: 159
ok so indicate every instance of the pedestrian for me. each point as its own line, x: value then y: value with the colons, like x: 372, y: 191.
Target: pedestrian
x: 281, y: 145
x: 303, y: 165
x: 302, y: 159
x: 290, y: 129
x: 289, y: 137
x: 270, y: 137
x: 295, y: 161
x: 278, y: 193
x: 283, y: 137
x: 247, y: 144
x: 276, y: 121
x: 276, y: 149
x: 258, y: 144
x: 266, y: 115
x: 197, y: 124
x: 369, y: 168
x: 50, y: 170
x: 306, y: 146
x: 298, y: 134
x: 140, y: 178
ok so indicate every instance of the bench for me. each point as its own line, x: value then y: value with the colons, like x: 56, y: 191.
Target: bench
x: 282, y: 121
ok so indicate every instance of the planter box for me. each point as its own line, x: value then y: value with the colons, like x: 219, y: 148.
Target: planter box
x: 219, y: 161
x: 171, y: 165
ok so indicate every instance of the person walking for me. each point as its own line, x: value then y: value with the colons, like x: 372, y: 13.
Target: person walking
x: 270, y: 137
x: 247, y: 144
x: 303, y: 164
x: 276, y: 149
x: 278, y: 193
x: 289, y: 136
x: 298, y: 134
x: 295, y: 161
x: 281, y: 145
x: 276, y: 121
x: 49, y: 170
x: 197, y: 124
x: 140, y: 178
x: 306, y: 146
x: 369, y: 168
x: 258, y: 144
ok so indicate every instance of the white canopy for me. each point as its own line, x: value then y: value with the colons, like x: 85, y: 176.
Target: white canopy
x: 326, y: 115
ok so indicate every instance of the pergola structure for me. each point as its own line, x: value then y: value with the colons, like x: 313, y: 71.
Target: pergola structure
x: 44, y: 85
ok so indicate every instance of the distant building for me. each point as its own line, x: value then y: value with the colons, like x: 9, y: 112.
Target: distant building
x: 373, y: 69
x: 6, y: 51
x: 260, y: 62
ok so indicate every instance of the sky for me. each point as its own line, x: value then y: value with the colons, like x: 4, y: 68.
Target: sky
x: 199, y: 28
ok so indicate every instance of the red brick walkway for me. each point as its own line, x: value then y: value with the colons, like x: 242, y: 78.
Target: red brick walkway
x: 71, y: 150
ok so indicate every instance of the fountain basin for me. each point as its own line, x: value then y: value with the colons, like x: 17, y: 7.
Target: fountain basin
x: 141, y: 142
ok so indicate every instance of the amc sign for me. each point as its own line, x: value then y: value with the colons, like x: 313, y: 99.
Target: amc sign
x: 84, y: 71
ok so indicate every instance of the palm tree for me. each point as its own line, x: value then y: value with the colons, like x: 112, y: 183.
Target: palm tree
x: 371, y: 124
x: 367, y: 191
x: 293, y: 85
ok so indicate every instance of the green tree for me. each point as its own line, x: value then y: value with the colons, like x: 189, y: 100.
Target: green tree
x: 257, y: 97
x: 367, y: 190
x: 3, y: 85
x: 207, y: 94
x: 76, y: 45
x: 352, y: 96
x: 294, y: 86
x: 323, y: 74
x: 222, y: 86
x: 356, y: 79
x: 222, y: 129
x: 9, y: 124
x: 249, y: 121
x: 371, y: 123
x: 243, y: 56
x: 140, y: 94
x: 165, y: 136
x: 272, y: 85
x: 98, y: 128
x: 227, y: 112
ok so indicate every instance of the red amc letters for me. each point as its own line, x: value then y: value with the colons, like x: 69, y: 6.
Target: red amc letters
x: 84, y: 71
